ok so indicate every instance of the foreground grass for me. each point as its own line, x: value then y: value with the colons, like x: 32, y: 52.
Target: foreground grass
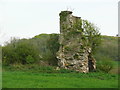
x: 20, y: 79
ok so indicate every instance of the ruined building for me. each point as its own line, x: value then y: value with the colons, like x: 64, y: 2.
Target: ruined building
x: 72, y: 54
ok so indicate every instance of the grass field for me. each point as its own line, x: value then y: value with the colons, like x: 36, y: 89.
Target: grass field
x: 20, y: 79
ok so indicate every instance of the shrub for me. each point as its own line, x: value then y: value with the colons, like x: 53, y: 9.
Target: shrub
x: 23, y: 51
x: 29, y: 59
x: 105, y: 65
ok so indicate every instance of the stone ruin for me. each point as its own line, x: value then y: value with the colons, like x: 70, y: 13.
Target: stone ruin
x: 72, y: 54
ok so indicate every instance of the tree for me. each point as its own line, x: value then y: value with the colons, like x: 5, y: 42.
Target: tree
x: 91, y: 34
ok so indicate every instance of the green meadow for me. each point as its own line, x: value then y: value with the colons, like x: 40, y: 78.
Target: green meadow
x: 47, y: 77
x: 21, y: 79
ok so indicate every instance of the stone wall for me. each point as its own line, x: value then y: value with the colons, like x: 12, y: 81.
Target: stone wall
x: 72, y: 53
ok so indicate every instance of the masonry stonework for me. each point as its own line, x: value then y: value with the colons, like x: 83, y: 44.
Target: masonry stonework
x: 72, y: 54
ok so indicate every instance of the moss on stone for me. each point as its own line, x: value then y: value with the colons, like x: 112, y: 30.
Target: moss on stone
x: 67, y: 48
x: 63, y: 15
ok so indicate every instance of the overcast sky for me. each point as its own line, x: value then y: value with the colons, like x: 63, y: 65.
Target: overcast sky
x: 27, y: 18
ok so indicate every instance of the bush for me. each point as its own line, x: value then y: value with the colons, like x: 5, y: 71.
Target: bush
x: 29, y: 59
x: 22, y: 51
x: 105, y: 65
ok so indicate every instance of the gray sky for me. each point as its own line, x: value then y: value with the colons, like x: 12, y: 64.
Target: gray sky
x: 27, y: 18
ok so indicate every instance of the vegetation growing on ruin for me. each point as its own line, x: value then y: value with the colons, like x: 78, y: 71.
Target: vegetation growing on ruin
x: 88, y: 34
x: 63, y: 15
x: 91, y: 35
x: 77, y: 26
